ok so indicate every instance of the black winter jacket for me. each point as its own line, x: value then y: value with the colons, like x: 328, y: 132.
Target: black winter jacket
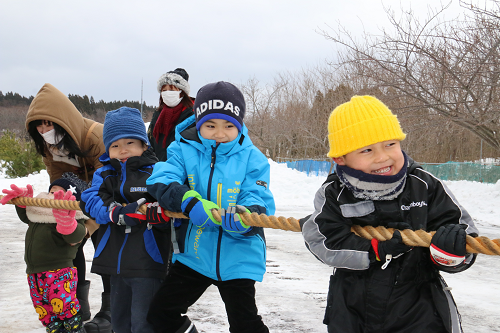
x: 138, y: 251
x: 160, y: 151
x: 409, y: 295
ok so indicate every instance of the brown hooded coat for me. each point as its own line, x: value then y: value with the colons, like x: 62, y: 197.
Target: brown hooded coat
x: 51, y: 104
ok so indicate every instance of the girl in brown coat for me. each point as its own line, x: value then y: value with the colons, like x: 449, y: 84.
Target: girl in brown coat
x: 69, y: 142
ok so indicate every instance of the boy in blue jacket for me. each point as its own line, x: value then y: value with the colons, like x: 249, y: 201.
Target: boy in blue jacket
x: 132, y: 248
x: 213, y: 164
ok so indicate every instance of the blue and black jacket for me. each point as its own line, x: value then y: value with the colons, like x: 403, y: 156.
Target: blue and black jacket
x: 138, y: 251
x: 226, y: 174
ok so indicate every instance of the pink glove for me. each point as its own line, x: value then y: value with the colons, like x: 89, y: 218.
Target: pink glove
x: 65, y: 218
x: 17, y: 192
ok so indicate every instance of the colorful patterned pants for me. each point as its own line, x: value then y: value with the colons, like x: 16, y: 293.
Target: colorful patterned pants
x: 54, y: 294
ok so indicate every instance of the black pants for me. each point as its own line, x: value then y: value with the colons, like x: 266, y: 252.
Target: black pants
x: 183, y: 287
x: 130, y: 300
x: 79, y: 261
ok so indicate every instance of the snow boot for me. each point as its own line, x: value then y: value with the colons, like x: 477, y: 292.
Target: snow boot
x: 73, y: 324
x: 187, y: 327
x: 55, y: 327
x: 102, y: 320
x: 82, y: 293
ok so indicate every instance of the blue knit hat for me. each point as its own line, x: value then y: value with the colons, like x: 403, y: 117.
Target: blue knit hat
x: 123, y: 123
x: 219, y: 100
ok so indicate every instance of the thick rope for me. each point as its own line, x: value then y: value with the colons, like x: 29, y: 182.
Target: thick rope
x: 412, y: 238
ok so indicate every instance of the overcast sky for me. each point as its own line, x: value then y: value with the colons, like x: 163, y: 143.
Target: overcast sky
x: 104, y: 48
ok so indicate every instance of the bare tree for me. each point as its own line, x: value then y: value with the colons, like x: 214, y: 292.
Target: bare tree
x: 447, y: 68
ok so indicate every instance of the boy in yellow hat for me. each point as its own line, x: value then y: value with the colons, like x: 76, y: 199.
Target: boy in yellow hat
x: 384, y: 286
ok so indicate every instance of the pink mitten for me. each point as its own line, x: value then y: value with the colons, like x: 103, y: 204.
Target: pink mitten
x: 17, y: 192
x: 65, y: 218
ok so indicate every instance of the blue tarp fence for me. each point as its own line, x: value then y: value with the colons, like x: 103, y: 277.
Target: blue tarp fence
x: 311, y: 167
x: 485, y: 173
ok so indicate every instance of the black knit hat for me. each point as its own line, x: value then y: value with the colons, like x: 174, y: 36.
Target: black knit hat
x: 219, y: 100
x: 178, y: 78
x: 70, y: 181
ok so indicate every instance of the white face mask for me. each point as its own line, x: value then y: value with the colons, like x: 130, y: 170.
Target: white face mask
x: 171, y: 97
x: 51, y: 138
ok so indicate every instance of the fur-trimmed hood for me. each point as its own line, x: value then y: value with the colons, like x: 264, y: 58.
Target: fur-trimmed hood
x: 44, y: 215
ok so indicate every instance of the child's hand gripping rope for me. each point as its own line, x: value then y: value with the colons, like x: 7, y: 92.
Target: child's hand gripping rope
x: 231, y: 219
x: 65, y: 218
x: 127, y: 215
x: 448, y: 245
x: 155, y: 214
x: 199, y: 210
x: 392, y: 248
x: 17, y: 192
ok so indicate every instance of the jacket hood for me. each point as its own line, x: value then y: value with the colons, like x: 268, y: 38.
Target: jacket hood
x: 51, y: 104
x: 186, y: 131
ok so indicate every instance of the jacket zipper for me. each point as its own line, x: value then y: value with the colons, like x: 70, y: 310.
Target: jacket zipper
x: 123, y: 178
x: 212, y: 169
x: 209, y: 190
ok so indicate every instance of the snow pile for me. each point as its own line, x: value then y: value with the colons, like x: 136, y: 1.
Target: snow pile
x: 292, y: 297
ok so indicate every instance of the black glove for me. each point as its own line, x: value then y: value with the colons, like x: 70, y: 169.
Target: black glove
x: 389, y: 249
x: 155, y: 214
x: 399, y: 225
x: 127, y: 215
x: 448, y: 245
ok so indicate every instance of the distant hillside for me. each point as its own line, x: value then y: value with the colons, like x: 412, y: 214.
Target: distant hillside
x: 13, y: 109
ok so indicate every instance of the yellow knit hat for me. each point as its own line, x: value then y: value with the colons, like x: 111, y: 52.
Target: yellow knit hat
x: 361, y: 122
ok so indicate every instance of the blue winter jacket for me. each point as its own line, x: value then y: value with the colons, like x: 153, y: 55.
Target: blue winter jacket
x: 138, y: 251
x: 226, y: 174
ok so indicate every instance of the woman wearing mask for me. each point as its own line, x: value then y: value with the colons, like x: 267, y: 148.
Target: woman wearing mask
x: 69, y: 142
x: 175, y: 106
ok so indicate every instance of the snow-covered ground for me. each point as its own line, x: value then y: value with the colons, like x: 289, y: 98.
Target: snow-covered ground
x: 292, y: 296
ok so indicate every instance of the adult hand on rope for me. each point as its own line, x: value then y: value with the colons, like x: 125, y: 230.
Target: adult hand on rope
x: 231, y: 219
x: 127, y: 215
x: 448, y: 245
x: 155, y: 214
x: 199, y: 210
x: 65, y: 218
x: 389, y: 249
x: 16, y: 192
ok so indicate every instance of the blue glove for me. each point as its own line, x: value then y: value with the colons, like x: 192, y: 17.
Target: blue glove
x: 127, y: 215
x: 199, y: 210
x: 231, y: 219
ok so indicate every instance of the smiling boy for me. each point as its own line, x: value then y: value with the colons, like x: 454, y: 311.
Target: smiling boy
x: 213, y: 164
x: 132, y: 248
x: 384, y: 286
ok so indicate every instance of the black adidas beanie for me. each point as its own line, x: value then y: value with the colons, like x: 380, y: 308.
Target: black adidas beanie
x: 219, y: 100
